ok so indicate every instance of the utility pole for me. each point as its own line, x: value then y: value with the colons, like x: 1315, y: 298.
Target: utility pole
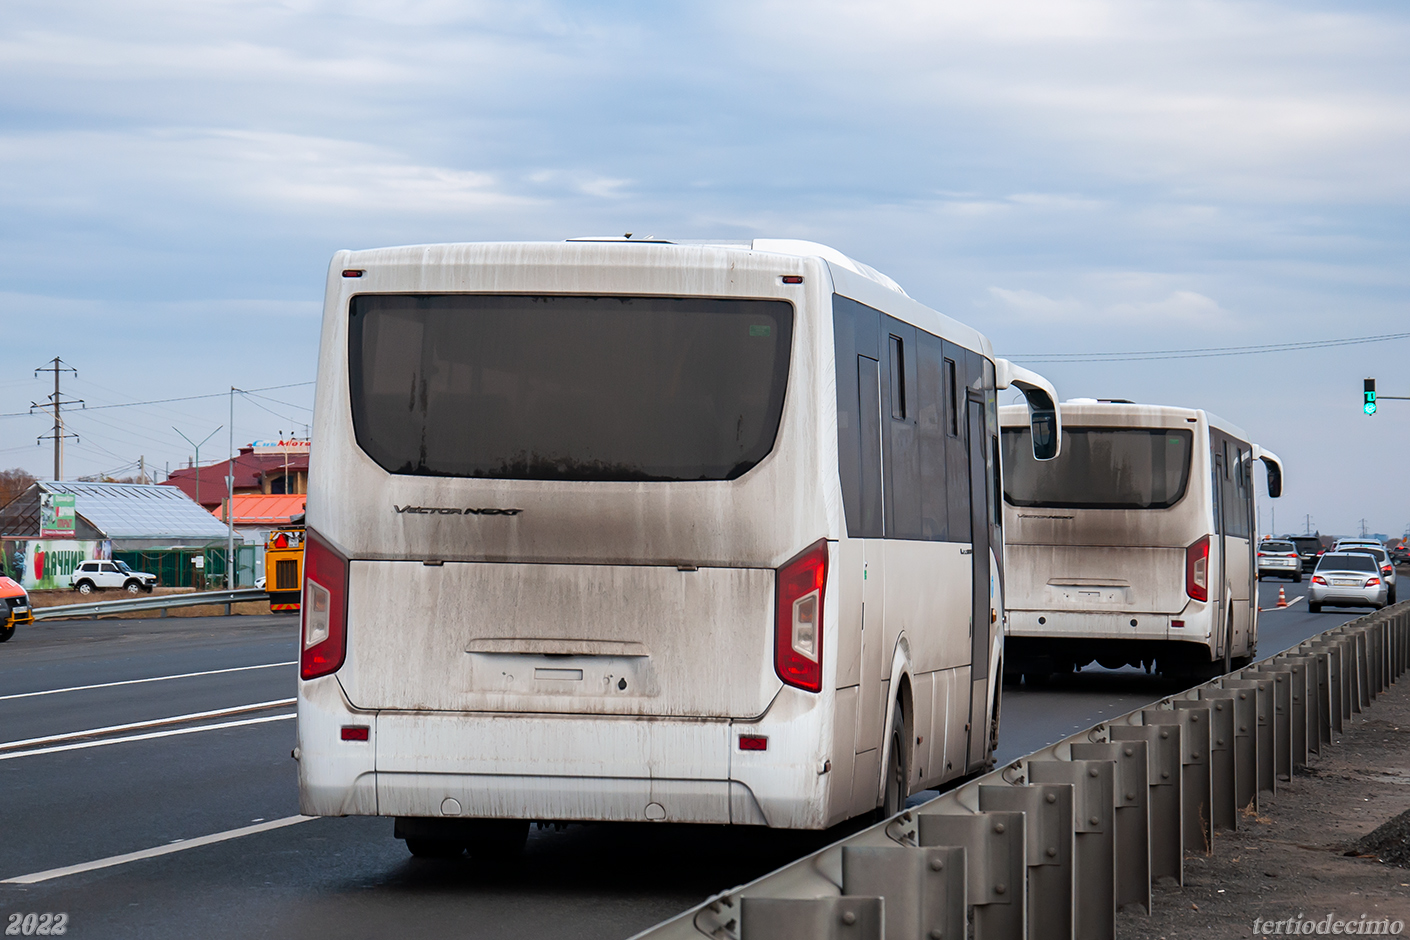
x: 142, y: 467
x: 1363, y: 528
x: 198, y: 458
x: 1309, y: 524
x: 230, y: 501
x: 56, y: 401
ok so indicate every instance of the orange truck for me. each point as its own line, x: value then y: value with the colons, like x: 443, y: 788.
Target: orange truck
x: 14, y: 607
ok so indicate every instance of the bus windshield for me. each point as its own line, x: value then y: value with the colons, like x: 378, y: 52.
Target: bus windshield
x: 1100, y: 468
x: 567, y: 387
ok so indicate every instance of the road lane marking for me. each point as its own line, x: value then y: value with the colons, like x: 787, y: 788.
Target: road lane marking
x: 1276, y: 607
x: 155, y: 722
x: 80, y: 745
x: 178, y: 846
x: 109, y: 685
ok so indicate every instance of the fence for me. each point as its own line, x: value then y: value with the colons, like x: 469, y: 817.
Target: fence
x: 1050, y: 846
x: 173, y: 566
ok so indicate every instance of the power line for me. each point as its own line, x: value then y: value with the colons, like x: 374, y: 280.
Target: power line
x: 163, y: 401
x: 1206, y: 352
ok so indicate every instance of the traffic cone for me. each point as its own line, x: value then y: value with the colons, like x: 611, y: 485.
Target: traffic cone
x: 1282, y: 597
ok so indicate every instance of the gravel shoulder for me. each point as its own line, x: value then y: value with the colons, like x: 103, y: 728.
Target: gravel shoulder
x: 1291, y: 859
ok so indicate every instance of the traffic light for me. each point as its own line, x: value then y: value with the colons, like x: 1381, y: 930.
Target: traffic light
x: 1370, y: 406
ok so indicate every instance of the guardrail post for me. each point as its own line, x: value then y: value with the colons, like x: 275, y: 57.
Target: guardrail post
x: 1132, y: 820
x: 1167, y: 844
x: 1302, y: 706
x: 995, y: 866
x: 1330, y: 652
x: 1282, y: 723
x: 1094, y: 840
x: 1262, y: 726
x: 1195, y: 794
x: 834, y: 918
x: 1231, y: 757
x: 924, y: 889
x: 1363, y: 672
x: 1048, y: 811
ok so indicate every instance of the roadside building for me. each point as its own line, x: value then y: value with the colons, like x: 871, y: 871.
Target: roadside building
x: 258, y: 514
x: 52, y: 526
x: 269, y: 468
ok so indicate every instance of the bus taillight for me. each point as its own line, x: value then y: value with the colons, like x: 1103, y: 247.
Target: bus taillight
x: 799, y: 618
x: 1197, y: 570
x: 325, y: 609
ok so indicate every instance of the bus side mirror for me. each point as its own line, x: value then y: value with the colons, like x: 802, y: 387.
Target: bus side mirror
x: 1274, y: 466
x: 1044, y: 418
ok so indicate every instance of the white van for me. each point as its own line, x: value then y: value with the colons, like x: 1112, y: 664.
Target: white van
x: 1137, y: 546
x: 609, y: 530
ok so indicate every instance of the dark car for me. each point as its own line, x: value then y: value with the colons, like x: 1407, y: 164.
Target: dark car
x: 1309, y: 548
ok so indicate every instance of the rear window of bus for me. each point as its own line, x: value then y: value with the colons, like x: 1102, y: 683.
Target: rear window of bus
x: 1100, y: 468
x: 567, y: 387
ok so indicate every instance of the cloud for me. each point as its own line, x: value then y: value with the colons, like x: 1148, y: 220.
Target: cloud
x: 1183, y: 309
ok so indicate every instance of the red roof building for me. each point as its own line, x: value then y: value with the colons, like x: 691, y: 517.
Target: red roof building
x: 268, y: 474
x: 261, y: 511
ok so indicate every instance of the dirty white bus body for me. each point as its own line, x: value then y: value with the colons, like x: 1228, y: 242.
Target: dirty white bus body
x: 601, y: 530
x: 1136, y: 546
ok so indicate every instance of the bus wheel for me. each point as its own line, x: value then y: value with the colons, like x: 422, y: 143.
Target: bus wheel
x: 433, y: 848
x: 497, y: 838
x: 897, y: 769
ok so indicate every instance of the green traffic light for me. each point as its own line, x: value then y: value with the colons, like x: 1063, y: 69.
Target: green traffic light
x: 1370, y: 407
x: 1370, y: 388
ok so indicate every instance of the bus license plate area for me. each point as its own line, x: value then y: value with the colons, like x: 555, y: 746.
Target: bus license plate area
x: 521, y: 674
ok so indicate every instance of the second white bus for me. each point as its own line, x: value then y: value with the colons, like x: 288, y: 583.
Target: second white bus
x: 1136, y: 546
x: 610, y: 530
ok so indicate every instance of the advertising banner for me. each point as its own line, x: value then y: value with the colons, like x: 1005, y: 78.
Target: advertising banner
x: 56, y: 516
x: 43, y: 564
x: 286, y: 446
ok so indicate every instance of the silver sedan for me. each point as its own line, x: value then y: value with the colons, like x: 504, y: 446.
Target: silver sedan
x: 1347, y: 579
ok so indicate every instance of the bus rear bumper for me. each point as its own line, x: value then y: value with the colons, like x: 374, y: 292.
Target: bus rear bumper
x: 560, y: 768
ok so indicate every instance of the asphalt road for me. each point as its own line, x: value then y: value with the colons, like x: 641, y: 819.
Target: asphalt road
x: 159, y: 784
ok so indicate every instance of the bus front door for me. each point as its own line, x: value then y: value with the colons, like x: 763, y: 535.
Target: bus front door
x: 982, y: 621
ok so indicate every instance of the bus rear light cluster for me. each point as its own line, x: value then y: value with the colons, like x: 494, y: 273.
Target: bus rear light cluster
x: 325, y: 609
x: 1197, y: 570
x: 799, y: 617
x: 355, y: 732
x: 753, y: 742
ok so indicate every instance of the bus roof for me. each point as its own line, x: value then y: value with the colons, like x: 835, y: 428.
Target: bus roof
x: 1076, y: 410
x: 850, y: 278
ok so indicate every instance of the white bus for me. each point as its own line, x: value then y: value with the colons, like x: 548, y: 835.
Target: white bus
x: 1136, y: 546
x: 612, y: 530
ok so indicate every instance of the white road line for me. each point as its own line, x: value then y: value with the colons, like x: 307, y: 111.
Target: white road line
x: 144, y: 737
x: 180, y: 846
x: 1263, y: 610
x: 155, y: 722
x: 109, y: 685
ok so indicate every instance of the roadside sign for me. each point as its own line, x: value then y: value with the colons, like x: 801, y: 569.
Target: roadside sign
x: 56, y: 516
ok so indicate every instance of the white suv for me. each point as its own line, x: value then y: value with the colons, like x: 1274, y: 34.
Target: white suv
x: 93, y: 576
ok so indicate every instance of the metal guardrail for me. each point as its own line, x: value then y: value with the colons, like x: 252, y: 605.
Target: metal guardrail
x: 1049, y: 846
x: 163, y: 603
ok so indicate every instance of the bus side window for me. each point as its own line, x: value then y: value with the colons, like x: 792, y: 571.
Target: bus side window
x: 933, y: 374
x: 902, y: 462
x: 956, y: 454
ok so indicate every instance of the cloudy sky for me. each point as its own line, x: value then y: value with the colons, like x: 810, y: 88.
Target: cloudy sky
x: 1066, y: 175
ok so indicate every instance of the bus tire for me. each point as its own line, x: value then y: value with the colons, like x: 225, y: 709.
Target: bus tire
x: 1314, y: 608
x: 433, y: 848
x: 7, y: 632
x: 893, y: 798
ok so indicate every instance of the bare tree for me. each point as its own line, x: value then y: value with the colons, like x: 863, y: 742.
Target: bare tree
x: 13, y: 482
